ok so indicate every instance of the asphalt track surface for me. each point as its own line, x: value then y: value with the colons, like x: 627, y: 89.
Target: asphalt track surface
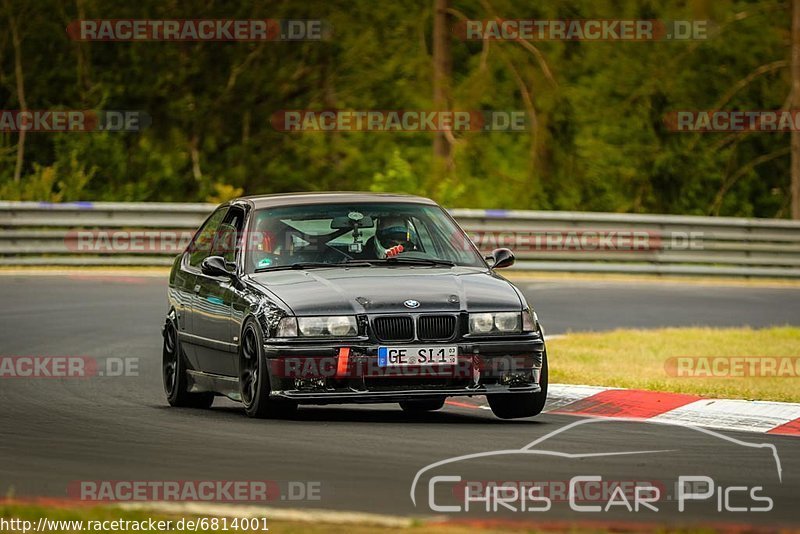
x: 53, y: 432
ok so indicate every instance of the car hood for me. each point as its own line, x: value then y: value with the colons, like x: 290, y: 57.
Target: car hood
x: 385, y: 289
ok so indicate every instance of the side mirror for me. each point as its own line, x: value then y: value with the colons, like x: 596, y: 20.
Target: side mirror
x: 215, y: 266
x: 500, y: 258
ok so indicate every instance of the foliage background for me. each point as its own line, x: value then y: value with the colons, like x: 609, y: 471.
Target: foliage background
x: 599, y: 141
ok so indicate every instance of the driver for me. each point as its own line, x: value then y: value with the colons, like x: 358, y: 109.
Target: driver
x: 395, y: 234
x: 264, y: 245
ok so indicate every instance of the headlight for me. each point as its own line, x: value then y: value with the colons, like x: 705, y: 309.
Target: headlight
x: 311, y: 326
x: 339, y: 325
x: 495, y: 323
x: 287, y: 327
x: 481, y: 323
x: 342, y: 326
x: 507, y: 322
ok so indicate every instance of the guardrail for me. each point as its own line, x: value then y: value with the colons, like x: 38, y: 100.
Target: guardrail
x: 105, y: 233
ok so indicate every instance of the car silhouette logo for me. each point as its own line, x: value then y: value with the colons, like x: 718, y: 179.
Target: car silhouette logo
x: 411, y: 303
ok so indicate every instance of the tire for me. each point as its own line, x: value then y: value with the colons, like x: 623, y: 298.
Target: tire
x: 420, y: 406
x: 173, y: 373
x: 517, y: 405
x: 254, y: 384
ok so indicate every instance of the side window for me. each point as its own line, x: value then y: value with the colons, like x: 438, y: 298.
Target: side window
x: 227, y: 240
x: 201, y: 246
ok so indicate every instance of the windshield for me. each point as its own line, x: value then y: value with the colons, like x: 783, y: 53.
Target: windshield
x: 337, y: 234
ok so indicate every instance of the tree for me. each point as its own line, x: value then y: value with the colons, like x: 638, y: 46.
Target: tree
x: 441, y: 81
x: 795, y: 187
x: 16, y: 42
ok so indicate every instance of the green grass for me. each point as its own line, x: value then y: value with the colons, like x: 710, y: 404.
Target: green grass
x: 637, y: 359
x: 111, y: 513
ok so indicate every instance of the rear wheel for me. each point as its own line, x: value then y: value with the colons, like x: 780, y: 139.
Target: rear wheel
x: 174, y: 373
x: 424, y: 405
x: 254, y: 378
x: 517, y: 405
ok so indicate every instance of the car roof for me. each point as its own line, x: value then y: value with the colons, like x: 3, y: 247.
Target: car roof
x: 288, y: 199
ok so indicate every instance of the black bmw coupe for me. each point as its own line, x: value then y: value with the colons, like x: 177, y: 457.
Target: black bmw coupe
x: 284, y: 300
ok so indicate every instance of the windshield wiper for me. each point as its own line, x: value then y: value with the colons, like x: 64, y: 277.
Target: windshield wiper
x: 411, y: 261
x: 311, y: 265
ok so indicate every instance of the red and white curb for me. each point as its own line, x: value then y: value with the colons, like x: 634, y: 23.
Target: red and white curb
x: 678, y: 408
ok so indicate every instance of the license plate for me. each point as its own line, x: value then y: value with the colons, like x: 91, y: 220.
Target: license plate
x: 417, y: 355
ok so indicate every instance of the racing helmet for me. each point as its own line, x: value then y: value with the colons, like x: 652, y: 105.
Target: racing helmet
x: 395, y: 230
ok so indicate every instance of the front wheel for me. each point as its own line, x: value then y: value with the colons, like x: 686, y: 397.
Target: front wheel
x: 420, y: 406
x: 254, y: 378
x: 517, y: 405
x: 174, y: 374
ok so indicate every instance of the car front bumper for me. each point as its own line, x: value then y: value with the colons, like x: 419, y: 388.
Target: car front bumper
x: 329, y: 373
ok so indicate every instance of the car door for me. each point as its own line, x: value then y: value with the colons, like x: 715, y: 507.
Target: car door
x: 211, y: 306
x: 198, y: 250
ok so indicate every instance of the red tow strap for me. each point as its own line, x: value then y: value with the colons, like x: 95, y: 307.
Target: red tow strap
x: 342, y: 363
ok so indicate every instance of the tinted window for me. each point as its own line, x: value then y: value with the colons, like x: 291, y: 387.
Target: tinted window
x: 338, y: 233
x: 227, y: 240
x: 203, y: 242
